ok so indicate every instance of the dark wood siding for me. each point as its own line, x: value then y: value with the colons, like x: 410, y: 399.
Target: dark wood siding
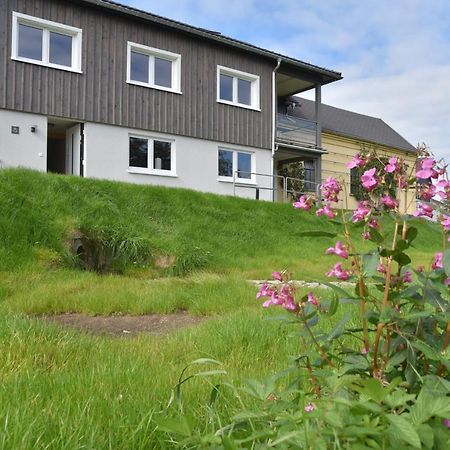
x: 101, y: 94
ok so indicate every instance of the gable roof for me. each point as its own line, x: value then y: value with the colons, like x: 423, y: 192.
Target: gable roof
x: 288, y: 63
x: 351, y: 124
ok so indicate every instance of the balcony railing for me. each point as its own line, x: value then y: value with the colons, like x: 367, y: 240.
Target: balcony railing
x: 293, y: 130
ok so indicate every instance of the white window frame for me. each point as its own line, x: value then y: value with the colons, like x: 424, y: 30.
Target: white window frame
x: 47, y: 26
x: 151, y: 52
x: 234, y: 176
x: 236, y: 75
x: 150, y: 170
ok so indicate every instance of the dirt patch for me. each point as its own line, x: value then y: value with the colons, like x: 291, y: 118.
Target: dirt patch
x: 125, y: 325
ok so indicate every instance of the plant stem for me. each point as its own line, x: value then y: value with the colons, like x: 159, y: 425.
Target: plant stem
x: 441, y: 368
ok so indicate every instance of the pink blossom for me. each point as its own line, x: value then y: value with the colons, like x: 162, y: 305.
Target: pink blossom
x: 331, y: 189
x: 445, y: 422
x: 361, y: 212
x: 369, y: 180
x: 310, y: 407
x: 326, y: 211
x: 427, y: 169
x: 313, y: 300
x: 403, y: 181
x: 338, y: 272
x: 373, y: 223
x: 447, y: 281
x: 338, y: 250
x: 365, y: 235
x: 438, y: 262
x: 284, y: 297
x: 364, y: 351
x: 427, y: 191
x: 424, y: 210
x: 445, y: 185
x: 445, y: 222
x: 407, y: 277
x: 277, y: 276
x: 381, y: 268
x: 357, y: 161
x: 264, y: 291
x: 305, y: 203
x: 392, y: 166
x: 388, y: 201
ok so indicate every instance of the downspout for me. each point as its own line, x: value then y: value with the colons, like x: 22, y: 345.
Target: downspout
x: 274, y: 123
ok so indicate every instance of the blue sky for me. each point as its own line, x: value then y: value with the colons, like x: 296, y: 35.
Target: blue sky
x: 394, y: 55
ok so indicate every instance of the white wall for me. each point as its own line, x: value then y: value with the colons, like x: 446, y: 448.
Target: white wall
x: 107, y: 155
x: 25, y: 149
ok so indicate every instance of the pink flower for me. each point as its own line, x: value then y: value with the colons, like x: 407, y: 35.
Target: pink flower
x: 310, y: 407
x: 326, y: 211
x: 427, y: 169
x: 388, y: 201
x: 338, y: 272
x: 446, y: 423
x: 381, y: 268
x: 284, y: 297
x: 313, y: 300
x: 369, y: 180
x: 445, y: 222
x: 277, y: 276
x: 445, y: 185
x: 365, y: 235
x: 304, y: 203
x: 364, y: 351
x: 373, y: 223
x: 427, y: 191
x: 407, y: 277
x: 438, y: 262
x: 447, y: 281
x: 331, y: 189
x: 361, y: 212
x: 392, y: 166
x: 357, y: 161
x: 264, y: 291
x: 424, y: 210
x: 338, y: 250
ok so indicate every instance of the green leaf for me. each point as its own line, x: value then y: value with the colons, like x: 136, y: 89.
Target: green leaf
x: 404, y: 430
x: 370, y: 263
x: 179, y: 425
x: 376, y: 237
x: 333, y: 306
x: 447, y: 262
x: 401, y: 245
x: 339, y: 328
x: 426, y: 435
x: 372, y: 389
x: 411, y: 234
x: 317, y: 234
x: 338, y: 290
x: 395, y: 360
x: 402, y: 259
x: 228, y: 444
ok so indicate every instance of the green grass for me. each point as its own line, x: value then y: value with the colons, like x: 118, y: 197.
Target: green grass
x: 63, y: 389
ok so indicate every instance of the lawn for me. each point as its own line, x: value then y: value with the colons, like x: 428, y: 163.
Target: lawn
x: 64, y: 389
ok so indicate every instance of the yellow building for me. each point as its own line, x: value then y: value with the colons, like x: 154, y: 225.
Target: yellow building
x: 344, y: 134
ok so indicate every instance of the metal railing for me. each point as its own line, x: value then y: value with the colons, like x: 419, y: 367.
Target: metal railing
x: 309, y: 187
x: 296, y: 130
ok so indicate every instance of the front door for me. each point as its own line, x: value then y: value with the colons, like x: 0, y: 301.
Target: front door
x: 74, y: 150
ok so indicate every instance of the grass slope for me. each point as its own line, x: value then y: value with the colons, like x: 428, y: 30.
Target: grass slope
x: 60, y: 389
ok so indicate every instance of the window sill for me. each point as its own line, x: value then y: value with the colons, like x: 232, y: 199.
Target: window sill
x: 43, y: 64
x: 160, y: 173
x: 238, y: 105
x: 237, y: 181
x: 154, y: 86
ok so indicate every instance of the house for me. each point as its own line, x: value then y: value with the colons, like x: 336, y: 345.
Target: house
x: 344, y: 134
x: 97, y: 89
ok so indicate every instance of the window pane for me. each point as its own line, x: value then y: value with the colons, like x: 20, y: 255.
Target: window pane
x: 162, y: 155
x: 163, y: 72
x: 139, y: 67
x: 138, y: 152
x: 60, y: 49
x: 30, y: 42
x: 226, y: 88
x: 244, y: 165
x: 244, y: 92
x: 225, y: 163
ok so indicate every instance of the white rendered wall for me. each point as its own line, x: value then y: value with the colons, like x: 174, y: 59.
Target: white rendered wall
x: 107, y: 155
x: 25, y: 149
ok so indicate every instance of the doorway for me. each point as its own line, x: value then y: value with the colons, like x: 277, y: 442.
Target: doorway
x: 65, y: 147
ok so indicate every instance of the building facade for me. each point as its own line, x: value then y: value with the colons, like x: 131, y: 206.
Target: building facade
x: 93, y: 88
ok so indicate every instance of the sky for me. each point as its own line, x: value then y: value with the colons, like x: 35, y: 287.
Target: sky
x: 394, y: 55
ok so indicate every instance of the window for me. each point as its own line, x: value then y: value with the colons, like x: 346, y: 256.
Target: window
x: 235, y: 163
x: 154, y: 68
x: 237, y: 88
x: 46, y: 43
x: 151, y: 155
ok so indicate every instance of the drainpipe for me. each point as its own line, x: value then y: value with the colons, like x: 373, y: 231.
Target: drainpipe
x: 274, y: 122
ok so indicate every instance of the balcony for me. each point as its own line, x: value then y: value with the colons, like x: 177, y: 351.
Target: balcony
x: 295, y: 131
